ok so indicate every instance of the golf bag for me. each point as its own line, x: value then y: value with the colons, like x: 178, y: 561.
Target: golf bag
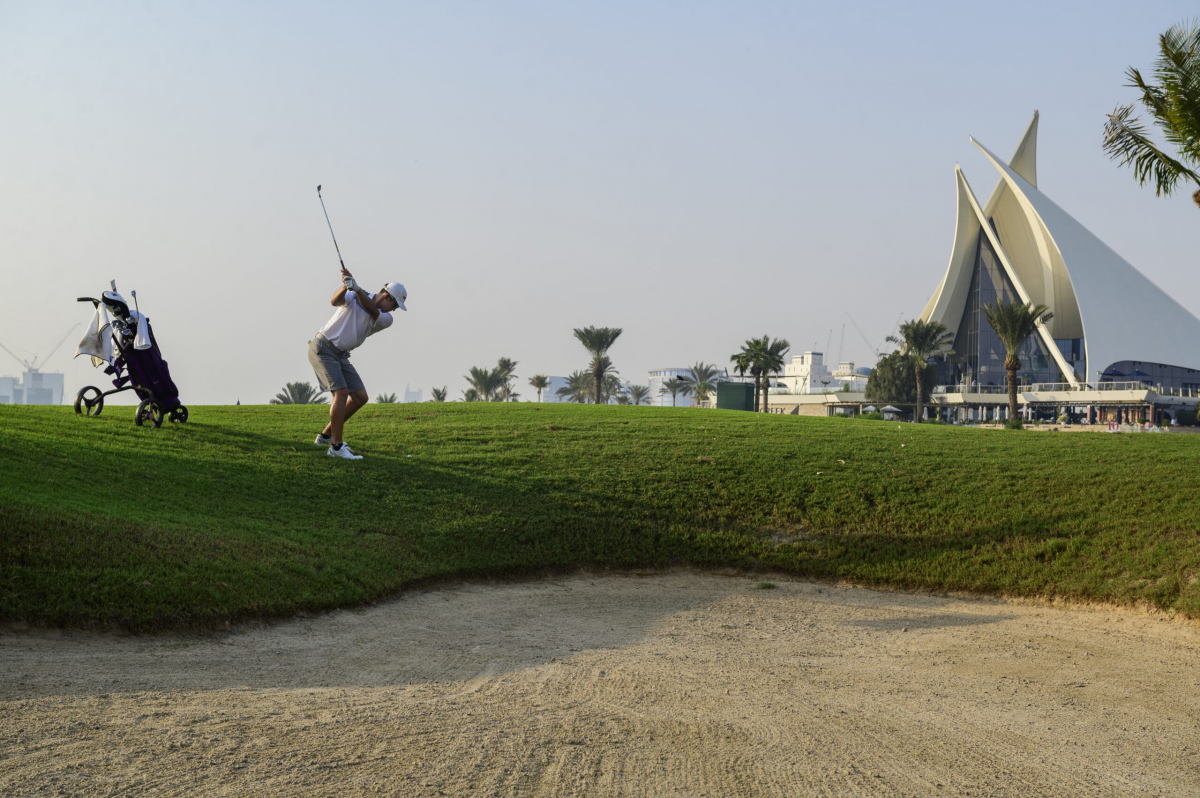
x: 126, y: 344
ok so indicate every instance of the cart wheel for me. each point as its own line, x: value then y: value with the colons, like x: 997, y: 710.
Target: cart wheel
x: 179, y: 414
x: 89, y: 400
x: 149, y: 410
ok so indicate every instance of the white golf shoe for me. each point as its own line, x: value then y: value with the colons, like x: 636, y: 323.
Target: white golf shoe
x: 323, y: 439
x: 343, y: 452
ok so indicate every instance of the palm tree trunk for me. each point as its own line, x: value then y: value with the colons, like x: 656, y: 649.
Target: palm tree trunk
x: 598, y: 381
x: 1012, y: 393
x: 920, y: 370
x: 756, y: 374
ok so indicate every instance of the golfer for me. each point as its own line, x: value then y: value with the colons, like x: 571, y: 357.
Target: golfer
x: 358, y: 316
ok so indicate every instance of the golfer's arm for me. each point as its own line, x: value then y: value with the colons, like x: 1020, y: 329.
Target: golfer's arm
x: 339, y: 297
x: 368, y: 304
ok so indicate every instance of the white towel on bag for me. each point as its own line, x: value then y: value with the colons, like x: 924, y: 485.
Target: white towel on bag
x: 97, y: 341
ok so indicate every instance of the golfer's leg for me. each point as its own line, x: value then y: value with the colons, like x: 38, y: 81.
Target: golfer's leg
x: 357, y: 400
x: 337, y: 414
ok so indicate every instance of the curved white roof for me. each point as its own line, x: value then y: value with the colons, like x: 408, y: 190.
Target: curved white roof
x: 1052, y: 259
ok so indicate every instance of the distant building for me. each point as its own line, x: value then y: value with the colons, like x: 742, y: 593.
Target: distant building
x: 34, y: 388
x: 412, y: 396
x: 657, y: 396
x: 548, y: 394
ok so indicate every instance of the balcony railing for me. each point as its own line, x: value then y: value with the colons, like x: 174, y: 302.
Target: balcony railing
x: 1062, y: 387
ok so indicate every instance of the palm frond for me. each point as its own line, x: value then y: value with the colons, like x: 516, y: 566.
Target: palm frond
x: 639, y: 394
x: 1173, y: 103
x: 1126, y: 141
x: 597, y: 340
x: 299, y: 393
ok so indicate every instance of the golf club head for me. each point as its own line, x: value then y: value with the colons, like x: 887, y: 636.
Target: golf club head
x: 318, y: 189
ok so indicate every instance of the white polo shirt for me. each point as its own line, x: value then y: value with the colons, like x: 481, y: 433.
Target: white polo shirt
x: 351, y: 324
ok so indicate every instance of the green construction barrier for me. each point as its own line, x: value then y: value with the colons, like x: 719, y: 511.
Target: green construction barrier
x: 735, y: 396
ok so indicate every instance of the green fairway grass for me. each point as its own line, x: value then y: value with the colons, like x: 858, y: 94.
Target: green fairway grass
x: 237, y: 515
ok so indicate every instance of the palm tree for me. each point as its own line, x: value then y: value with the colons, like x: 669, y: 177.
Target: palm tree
x: 386, y: 398
x: 1013, y: 323
x: 471, y: 395
x: 578, y: 387
x: 486, y: 382
x: 750, y: 359
x: 922, y: 340
x: 611, y: 387
x: 639, y: 394
x: 299, y: 393
x: 541, y: 382
x: 623, y: 398
x: 439, y: 394
x: 505, y: 368
x: 703, y: 379
x: 597, y: 340
x: 673, y: 386
x: 772, y: 363
x: 1174, y: 106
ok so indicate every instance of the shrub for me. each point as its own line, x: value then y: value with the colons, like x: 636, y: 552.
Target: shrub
x: 1014, y: 423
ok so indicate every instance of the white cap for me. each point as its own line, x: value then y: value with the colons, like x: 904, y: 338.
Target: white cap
x: 397, y: 293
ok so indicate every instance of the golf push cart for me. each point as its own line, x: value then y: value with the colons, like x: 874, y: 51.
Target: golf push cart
x: 126, y: 344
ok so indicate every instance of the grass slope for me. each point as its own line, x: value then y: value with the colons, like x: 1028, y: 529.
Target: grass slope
x: 237, y: 514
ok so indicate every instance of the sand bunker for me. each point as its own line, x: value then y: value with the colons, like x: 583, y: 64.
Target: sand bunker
x: 673, y: 685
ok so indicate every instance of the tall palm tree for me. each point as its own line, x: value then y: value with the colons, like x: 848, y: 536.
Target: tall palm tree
x: 703, y: 378
x: 1174, y: 106
x: 675, y: 385
x: 772, y: 363
x: 597, y: 340
x: 639, y: 394
x: 922, y: 340
x: 299, y: 393
x: 471, y: 395
x: 505, y: 368
x: 750, y: 358
x: 439, y: 394
x: 1013, y: 323
x: 541, y: 382
x: 578, y: 387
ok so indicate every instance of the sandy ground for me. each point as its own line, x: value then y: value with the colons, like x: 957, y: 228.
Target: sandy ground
x: 671, y: 685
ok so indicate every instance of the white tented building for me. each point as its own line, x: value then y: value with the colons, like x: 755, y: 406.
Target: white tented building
x: 1110, y: 325
x: 34, y: 388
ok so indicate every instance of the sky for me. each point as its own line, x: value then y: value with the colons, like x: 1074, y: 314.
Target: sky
x: 694, y: 173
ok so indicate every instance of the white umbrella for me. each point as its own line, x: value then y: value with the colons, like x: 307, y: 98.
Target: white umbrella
x: 869, y: 409
x: 890, y: 409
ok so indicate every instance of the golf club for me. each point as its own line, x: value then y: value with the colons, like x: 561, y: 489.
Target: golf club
x: 335, y: 244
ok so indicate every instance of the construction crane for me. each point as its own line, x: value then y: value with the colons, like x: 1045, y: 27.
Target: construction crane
x: 841, y: 344
x: 863, y: 335
x: 828, y: 341
x: 32, y: 365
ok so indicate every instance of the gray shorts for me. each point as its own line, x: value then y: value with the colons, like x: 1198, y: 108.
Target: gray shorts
x: 332, y: 366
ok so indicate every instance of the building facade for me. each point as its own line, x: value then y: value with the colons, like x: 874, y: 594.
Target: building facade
x: 34, y: 388
x: 807, y: 373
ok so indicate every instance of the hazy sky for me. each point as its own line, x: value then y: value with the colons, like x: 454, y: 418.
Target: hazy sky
x: 695, y: 173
